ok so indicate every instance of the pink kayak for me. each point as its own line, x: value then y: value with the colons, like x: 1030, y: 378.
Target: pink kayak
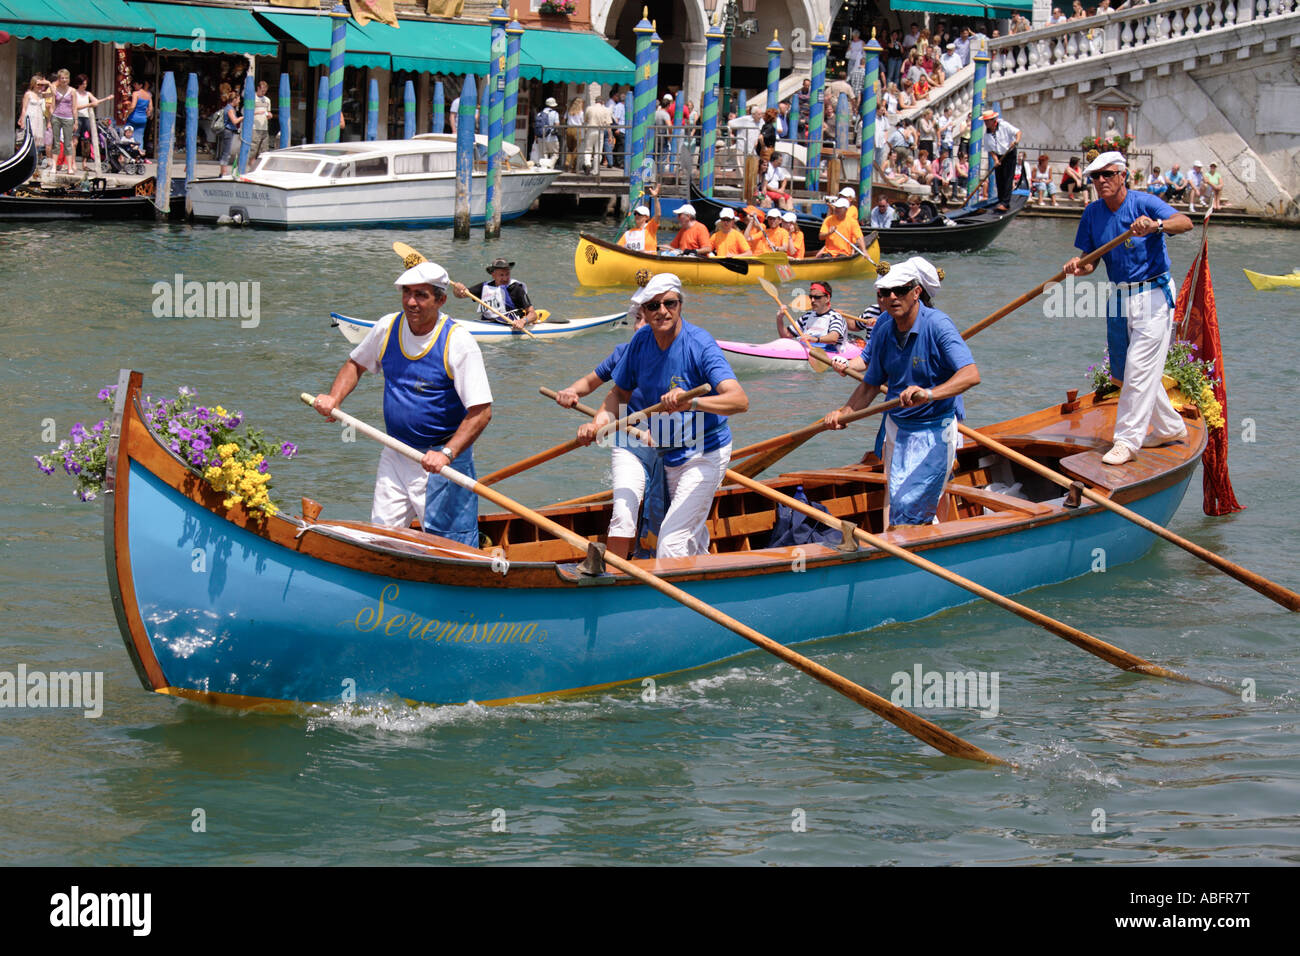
x: 777, y: 354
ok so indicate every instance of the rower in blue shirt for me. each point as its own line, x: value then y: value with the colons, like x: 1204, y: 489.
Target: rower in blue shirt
x: 918, y: 354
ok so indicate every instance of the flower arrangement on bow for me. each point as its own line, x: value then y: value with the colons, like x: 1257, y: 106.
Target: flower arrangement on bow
x: 1194, y: 378
x: 206, y: 438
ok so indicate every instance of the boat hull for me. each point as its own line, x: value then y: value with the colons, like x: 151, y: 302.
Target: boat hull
x: 125, y: 209
x: 777, y: 355
x: 1268, y: 283
x: 425, y: 201
x: 354, y: 330
x: 220, y: 607
x: 599, y: 263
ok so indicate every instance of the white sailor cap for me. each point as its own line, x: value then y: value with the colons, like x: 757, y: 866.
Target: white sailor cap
x: 686, y: 209
x: 658, y: 285
x: 841, y: 203
x: 926, y: 274
x: 727, y: 213
x: 426, y: 273
x: 1104, y: 160
x: 847, y: 192
x: 899, y: 275
x: 789, y: 216
x: 641, y: 211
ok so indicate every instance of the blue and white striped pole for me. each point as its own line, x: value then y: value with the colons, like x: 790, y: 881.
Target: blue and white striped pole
x: 484, y: 117
x: 976, y: 151
x: 641, y: 114
x: 464, y: 157
x: 338, y: 40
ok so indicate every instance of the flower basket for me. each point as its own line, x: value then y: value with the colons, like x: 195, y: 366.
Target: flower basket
x: 558, y: 8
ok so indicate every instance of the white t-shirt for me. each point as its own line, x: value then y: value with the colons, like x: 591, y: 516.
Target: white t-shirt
x: 1000, y: 142
x: 468, y: 375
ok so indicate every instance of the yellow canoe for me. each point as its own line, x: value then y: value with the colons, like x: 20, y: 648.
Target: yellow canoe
x: 601, y: 263
x: 1267, y: 283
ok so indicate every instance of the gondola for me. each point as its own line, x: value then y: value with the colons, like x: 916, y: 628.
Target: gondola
x: 122, y: 203
x: 961, y: 230
x: 18, y: 168
x: 291, y: 611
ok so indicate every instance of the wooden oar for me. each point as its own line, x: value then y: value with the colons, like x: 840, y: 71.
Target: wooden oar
x: 932, y: 734
x: 591, y: 413
x: 882, y: 267
x: 498, y: 312
x: 1275, y: 592
x: 1093, y: 645
x: 794, y: 439
x: 572, y: 443
x: 789, y: 319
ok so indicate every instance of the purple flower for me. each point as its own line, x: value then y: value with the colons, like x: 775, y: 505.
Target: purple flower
x: 199, y: 460
x: 106, y: 393
x: 234, y: 420
x: 99, y: 427
x: 185, y: 391
x: 78, y: 433
x: 288, y: 449
x: 176, y: 446
x: 263, y: 467
x: 40, y: 463
x: 200, y: 442
x: 174, y: 425
x: 203, y: 413
x: 72, y: 466
x: 184, y: 434
x: 86, y: 495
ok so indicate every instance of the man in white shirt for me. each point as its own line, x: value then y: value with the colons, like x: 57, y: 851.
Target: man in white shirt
x: 951, y: 60
x: 261, y: 125
x: 882, y: 214
x: 597, y: 120
x: 548, y: 132
x: 618, y: 119
x: 913, y: 36
x: 436, y: 399
x: 962, y: 44
x: 1001, y: 139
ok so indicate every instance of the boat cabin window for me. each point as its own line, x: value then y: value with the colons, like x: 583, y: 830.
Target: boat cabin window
x: 289, y: 164
x: 408, y: 163
x: 375, y: 166
x: 412, y: 163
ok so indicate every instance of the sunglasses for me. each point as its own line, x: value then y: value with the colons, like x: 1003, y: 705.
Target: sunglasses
x: 1105, y: 174
x: 900, y: 291
x: 668, y: 304
x: 817, y: 295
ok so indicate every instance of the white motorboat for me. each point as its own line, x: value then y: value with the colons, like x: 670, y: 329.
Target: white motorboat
x: 402, y: 182
x: 550, y: 327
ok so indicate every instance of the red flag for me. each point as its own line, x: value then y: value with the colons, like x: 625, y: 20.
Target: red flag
x: 1196, y: 321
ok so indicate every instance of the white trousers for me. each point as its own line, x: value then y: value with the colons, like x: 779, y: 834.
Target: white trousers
x: 691, y: 487
x: 1143, y: 400
x: 593, y: 148
x: 399, y: 491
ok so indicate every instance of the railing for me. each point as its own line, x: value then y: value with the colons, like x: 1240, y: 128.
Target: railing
x: 1128, y: 29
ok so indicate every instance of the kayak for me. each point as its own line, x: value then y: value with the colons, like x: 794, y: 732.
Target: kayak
x: 354, y: 330
x: 1267, y: 283
x: 777, y: 354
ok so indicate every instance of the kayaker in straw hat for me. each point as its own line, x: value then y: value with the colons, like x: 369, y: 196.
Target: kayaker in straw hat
x: 1140, y: 309
x: 663, y: 361
x: 508, y: 297
x: 918, y: 351
x: 436, y: 399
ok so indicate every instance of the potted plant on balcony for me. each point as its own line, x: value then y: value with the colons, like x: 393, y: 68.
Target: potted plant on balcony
x: 1106, y: 144
x: 558, y: 8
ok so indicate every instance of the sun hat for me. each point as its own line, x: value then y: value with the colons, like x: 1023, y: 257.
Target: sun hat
x: 1106, y: 159
x: 686, y: 209
x: 641, y: 211
x: 658, y: 285
x: 727, y: 213
x: 425, y: 273
x: 499, y: 263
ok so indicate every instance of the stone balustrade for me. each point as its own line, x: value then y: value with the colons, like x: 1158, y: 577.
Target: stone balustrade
x: 1134, y: 27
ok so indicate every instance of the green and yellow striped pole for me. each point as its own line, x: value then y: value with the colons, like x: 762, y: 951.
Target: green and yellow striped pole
x: 816, y: 109
x: 713, y: 38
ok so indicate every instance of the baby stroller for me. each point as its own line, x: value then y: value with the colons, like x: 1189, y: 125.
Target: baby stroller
x: 119, y: 150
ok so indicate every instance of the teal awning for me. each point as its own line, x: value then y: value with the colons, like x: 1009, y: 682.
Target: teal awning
x: 207, y: 29
x: 89, y: 21
x: 567, y: 57
x: 1005, y: 8
x: 965, y: 8
x: 427, y: 46
x: 313, y: 31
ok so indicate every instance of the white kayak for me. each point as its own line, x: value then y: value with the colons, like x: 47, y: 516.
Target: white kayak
x: 354, y: 330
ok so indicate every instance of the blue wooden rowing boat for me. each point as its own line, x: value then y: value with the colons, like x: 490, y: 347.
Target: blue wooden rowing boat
x: 296, y: 610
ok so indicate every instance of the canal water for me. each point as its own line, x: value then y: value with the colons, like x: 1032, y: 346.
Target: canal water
x: 743, y: 762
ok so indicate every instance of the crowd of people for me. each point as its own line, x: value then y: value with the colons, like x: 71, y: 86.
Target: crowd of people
x: 60, y: 113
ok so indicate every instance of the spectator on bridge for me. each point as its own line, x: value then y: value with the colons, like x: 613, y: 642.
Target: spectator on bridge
x: 894, y: 54
x: 1072, y: 178
x: 890, y: 99
x: 1019, y: 24
x: 962, y: 44
x: 1177, y: 184
x: 942, y: 173
x: 912, y: 38
x: 777, y: 182
x: 1103, y: 8
x: 920, y: 168
x: 882, y: 214
x: 905, y: 98
x: 783, y: 120
x: 597, y: 120
x: 951, y: 60
x: 1078, y: 12
x: 1056, y: 17
x: 927, y: 133
x: 805, y: 94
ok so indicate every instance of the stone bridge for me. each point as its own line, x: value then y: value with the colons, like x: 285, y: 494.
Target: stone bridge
x: 1215, y: 81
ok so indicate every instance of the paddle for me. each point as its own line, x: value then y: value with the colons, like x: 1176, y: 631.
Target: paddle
x: 412, y: 257
x: 796, y: 438
x: 1107, y: 652
x: 1275, y: 592
x: 882, y: 268
x: 591, y: 413
x: 555, y: 452
x: 771, y: 290
x: 504, y: 318
x: 938, y: 738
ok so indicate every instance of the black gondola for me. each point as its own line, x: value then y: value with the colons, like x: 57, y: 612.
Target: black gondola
x: 18, y: 168
x: 115, y: 203
x: 962, y: 230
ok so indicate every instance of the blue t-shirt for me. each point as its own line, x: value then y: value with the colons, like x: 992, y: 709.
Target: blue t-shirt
x: 648, y: 372
x: 931, y: 353
x: 605, y: 371
x: 1136, y: 259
